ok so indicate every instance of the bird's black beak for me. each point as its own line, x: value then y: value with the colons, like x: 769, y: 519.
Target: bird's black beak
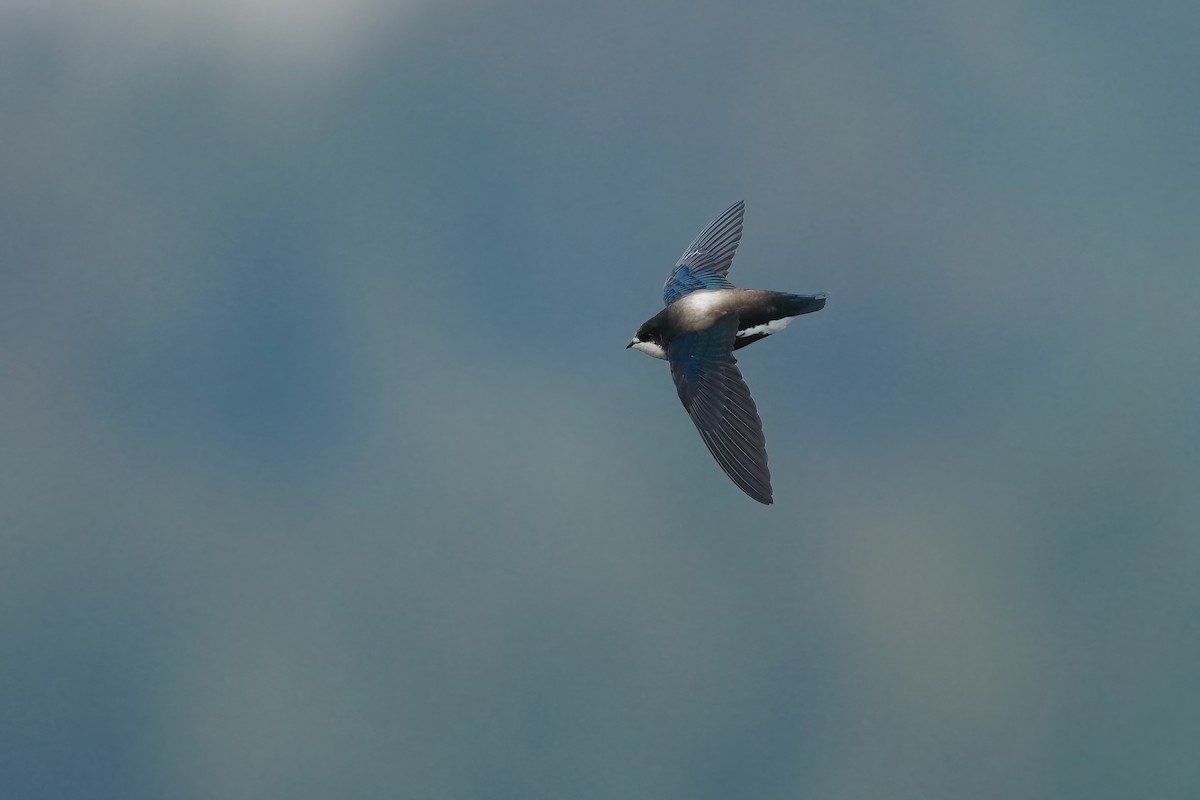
x: 629, y: 345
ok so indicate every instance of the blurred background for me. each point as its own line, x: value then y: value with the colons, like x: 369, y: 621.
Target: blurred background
x: 324, y: 471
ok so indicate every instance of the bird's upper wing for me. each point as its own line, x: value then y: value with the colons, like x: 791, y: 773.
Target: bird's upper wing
x: 718, y: 400
x: 706, y: 261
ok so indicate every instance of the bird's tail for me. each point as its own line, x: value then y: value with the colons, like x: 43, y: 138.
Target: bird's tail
x: 797, y: 304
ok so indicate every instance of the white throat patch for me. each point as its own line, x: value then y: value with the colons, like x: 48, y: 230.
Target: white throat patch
x: 651, y: 349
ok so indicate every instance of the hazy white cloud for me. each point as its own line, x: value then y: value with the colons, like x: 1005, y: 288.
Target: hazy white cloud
x: 309, y: 32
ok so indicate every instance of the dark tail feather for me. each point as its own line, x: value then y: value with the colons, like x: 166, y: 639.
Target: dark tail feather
x: 798, y: 304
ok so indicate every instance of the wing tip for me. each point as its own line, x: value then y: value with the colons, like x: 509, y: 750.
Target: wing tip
x: 760, y: 492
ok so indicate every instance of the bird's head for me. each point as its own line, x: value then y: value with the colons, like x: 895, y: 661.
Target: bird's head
x: 648, y: 339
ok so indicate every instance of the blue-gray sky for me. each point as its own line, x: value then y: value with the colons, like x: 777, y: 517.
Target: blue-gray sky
x: 325, y: 472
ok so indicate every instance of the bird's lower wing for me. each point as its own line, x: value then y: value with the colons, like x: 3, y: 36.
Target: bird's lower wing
x: 711, y: 387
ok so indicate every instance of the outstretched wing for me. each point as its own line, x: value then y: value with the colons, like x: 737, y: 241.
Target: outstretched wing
x: 718, y: 400
x: 706, y: 261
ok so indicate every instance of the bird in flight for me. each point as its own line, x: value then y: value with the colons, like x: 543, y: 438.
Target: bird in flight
x: 706, y: 318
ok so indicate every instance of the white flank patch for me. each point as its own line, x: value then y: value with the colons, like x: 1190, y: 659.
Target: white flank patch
x: 766, y: 329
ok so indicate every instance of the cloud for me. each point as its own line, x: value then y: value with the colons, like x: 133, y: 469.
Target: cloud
x: 308, y: 33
